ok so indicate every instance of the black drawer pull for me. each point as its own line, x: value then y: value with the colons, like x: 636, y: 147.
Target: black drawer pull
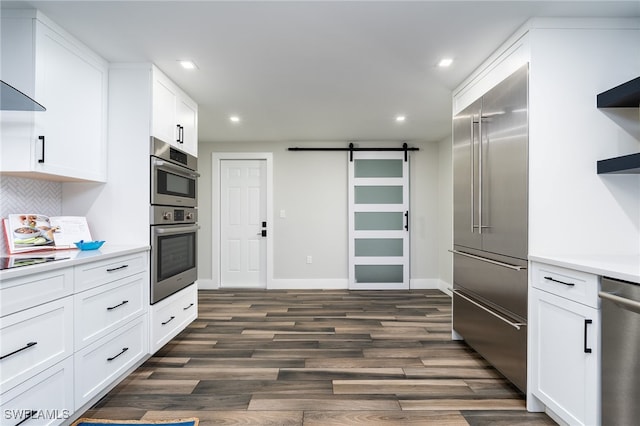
x: 586, y: 349
x: 558, y: 281
x: 118, y: 268
x: 168, y: 321
x: 116, y: 356
x: 190, y: 305
x: 124, y: 302
x: 27, y: 346
x: 30, y: 414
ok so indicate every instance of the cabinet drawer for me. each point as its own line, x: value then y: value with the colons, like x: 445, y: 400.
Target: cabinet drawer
x: 102, y: 362
x: 35, y: 339
x: 574, y: 285
x: 103, y: 309
x: 171, y: 315
x: 97, y: 273
x: 25, y: 292
x: 45, y: 399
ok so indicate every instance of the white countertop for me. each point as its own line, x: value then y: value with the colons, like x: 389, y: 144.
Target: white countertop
x: 75, y: 257
x: 622, y: 267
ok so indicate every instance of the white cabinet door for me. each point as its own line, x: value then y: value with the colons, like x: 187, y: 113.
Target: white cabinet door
x: 68, y: 140
x: 565, y: 357
x: 164, y: 109
x: 175, y: 115
x: 187, y: 114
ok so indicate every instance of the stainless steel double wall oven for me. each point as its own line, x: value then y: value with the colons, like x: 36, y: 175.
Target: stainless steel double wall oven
x: 173, y: 217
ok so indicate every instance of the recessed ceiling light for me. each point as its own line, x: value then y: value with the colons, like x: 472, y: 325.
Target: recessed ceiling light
x: 445, y: 62
x: 400, y: 118
x: 188, y: 65
x: 234, y: 119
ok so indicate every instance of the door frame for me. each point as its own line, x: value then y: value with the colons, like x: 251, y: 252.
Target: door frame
x: 216, y: 158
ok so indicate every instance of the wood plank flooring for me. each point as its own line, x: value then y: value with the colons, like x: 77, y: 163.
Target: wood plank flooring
x: 256, y: 357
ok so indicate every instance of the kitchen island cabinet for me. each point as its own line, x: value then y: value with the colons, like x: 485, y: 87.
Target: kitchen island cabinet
x: 64, y: 348
x: 67, y: 142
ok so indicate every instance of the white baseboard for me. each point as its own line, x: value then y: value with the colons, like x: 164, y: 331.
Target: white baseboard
x: 309, y: 284
x: 332, y: 284
x: 207, y: 284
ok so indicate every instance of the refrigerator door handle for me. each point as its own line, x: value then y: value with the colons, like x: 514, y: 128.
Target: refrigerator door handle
x: 480, y: 172
x: 473, y: 176
x: 516, y: 325
x: 484, y: 259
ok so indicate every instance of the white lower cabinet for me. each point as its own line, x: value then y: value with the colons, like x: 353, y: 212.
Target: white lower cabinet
x: 171, y: 315
x: 45, y: 399
x: 35, y: 339
x: 70, y: 334
x: 564, y: 355
x: 100, y: 363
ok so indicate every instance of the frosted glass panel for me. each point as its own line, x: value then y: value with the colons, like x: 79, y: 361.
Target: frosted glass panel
x: 377, y: 168
x: 378, y: 194
x: 378, y: 247
x: 378, y: 273
x: 379, y: 221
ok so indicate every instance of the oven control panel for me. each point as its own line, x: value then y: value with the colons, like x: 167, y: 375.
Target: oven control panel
x: 163, y: 215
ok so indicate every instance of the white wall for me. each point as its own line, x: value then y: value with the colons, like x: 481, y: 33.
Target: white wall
x: 311, y: 187
x: 573, y: 210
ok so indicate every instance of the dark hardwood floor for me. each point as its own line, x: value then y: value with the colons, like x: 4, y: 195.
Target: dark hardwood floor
x: 319, y: 358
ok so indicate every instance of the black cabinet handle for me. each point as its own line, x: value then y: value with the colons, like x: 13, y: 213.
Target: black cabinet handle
x: 27, y: 346
x: 41, y: 159
x: 180, y: 133
x: 118, y: 268
x: 586, y: 349
x: 168, y: 321
x: 124, y: 302
x: 558, y: 281
x: 406, y: 218
x: 116, y: 356
x: 30, y: 414
x: 190, y: 305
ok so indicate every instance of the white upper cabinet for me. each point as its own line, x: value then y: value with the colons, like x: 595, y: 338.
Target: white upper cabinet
x: 175, y: 115
x: 68, y: 140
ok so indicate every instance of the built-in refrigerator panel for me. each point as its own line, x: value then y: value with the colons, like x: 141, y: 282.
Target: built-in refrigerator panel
x: 465, y: 178
x: 503, y: 167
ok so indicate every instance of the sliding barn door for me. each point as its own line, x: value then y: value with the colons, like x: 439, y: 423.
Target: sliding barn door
x: 378, y: 221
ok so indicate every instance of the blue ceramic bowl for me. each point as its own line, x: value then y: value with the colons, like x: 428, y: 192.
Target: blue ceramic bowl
x: 89, y: 245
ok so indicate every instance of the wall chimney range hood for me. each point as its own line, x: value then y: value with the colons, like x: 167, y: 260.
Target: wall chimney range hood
x: 11, y: 99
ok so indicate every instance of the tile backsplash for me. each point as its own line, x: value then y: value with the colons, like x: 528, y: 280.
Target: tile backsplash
x: 21, y: 195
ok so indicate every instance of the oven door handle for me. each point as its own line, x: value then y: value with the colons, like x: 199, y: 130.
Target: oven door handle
x: 176, y: 229
x: 183, y: 171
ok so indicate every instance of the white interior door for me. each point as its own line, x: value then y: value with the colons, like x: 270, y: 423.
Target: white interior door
x: 378, y: 221
x: 243, y: 223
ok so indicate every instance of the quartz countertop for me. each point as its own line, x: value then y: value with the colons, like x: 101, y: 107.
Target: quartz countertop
x: 622, y: 267
x: 73, y: 257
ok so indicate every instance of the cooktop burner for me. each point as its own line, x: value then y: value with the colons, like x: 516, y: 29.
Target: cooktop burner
x: 15, y: 262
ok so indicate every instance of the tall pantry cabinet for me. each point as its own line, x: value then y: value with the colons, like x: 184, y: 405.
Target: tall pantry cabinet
x: 571, y: 209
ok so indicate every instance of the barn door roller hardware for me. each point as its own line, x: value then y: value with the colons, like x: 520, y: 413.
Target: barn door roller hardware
x: 352, y: 148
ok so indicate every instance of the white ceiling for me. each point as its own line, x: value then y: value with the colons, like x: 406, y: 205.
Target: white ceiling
x: 312, y: 71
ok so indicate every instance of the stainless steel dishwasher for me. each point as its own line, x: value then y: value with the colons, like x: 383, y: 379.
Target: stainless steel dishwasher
x: 620, y: 348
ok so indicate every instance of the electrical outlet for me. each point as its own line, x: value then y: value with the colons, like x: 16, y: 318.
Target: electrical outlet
x: 283, y: 213
x: 309, y: 259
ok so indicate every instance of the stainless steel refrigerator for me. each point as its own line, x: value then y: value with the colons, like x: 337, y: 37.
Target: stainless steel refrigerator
x: 490, y: 158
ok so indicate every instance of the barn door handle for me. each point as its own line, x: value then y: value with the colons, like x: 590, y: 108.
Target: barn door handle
x: 406, y: 220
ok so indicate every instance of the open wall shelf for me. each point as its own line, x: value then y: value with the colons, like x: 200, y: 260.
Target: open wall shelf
x: 626, y: 95
x: 627, y: 164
